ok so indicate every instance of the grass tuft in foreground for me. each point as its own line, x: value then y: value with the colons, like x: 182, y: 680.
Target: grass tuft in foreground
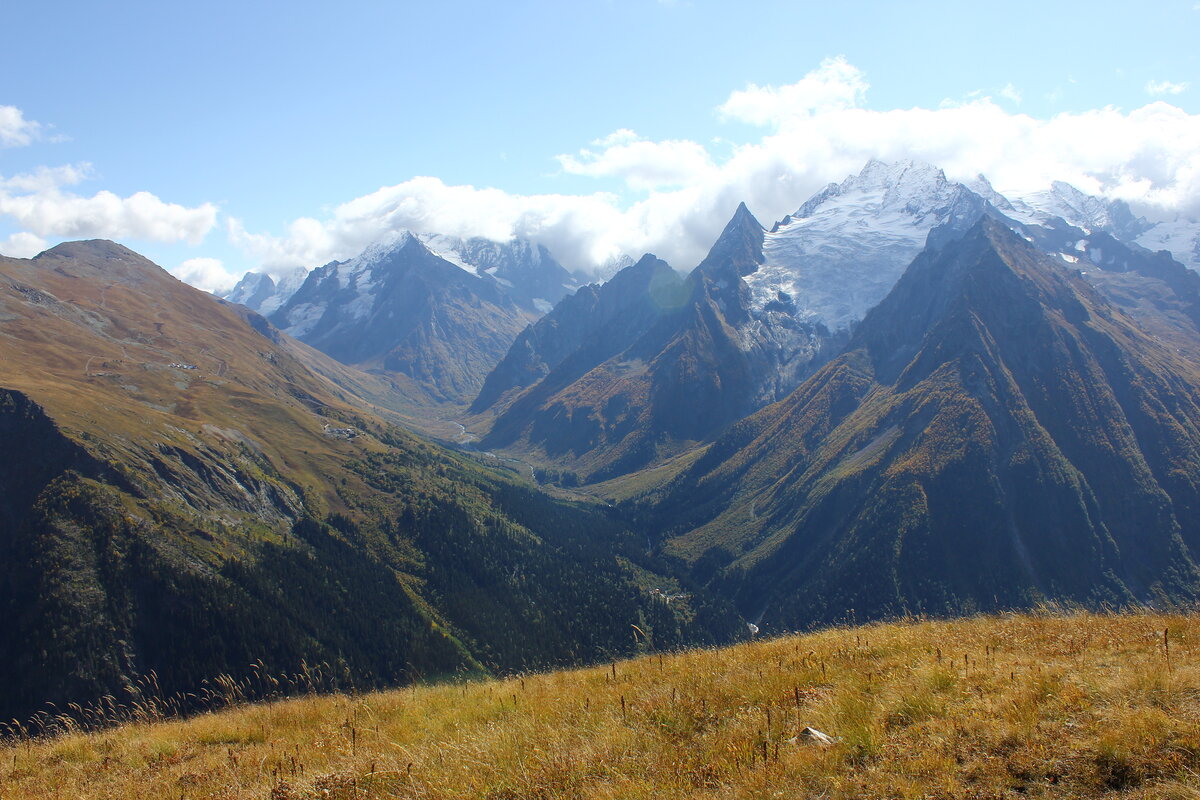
x: 1015, y: 706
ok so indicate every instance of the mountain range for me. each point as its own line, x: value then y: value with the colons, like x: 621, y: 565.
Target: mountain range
x: 762, y: 312
x: 995, y: 434
x: 432, y: 313
x: 912, y: 395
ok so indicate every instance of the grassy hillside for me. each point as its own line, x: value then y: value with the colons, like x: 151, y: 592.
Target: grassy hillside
x: 184, y: 492
x: 1035, y: 706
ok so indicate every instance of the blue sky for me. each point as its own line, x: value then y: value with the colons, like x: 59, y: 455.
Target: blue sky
x: 221, y: 137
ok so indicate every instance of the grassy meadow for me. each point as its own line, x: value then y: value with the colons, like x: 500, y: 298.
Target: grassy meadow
x: 1077, y: 705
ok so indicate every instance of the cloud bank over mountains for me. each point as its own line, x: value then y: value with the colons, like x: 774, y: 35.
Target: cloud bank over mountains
x: 817, y: 130
x: 679, y: 193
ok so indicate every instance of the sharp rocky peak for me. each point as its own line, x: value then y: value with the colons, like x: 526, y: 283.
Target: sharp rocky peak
x: 739, y: 246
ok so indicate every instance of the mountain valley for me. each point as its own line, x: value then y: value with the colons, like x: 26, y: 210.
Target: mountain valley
x: 910, y: 396
x: 185, y: 497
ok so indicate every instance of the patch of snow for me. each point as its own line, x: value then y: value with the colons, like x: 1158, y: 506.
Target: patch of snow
x: 544, y: 306
x: 612, y: 266
x: 1068, y: 259
x: 286, y: 284
x: 360, y: 307
x: 302, y: 318
x: 265, y: 293
x: 844, y: 249
x: 1180, y: 237
x: 447, y: 248
x: 1064, y: 200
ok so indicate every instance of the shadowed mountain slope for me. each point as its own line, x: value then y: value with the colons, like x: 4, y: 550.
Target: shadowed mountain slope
x: 649, y: 366
x: 400, y: 309
x: 996, y: 433
x: 758, y: 315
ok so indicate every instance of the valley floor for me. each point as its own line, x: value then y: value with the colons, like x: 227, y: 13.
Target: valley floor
x: 1012, y: 706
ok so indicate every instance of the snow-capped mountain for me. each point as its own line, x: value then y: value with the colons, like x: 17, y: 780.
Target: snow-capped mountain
x: 263, y: 293
x: 761, y: 313
x: 766, y: 308
x: 994, y: 426
x: 524, y: 271
x: 1180, y: 237
x: 1064, y: 201
x: 845, y: 248
x: 404, y: 310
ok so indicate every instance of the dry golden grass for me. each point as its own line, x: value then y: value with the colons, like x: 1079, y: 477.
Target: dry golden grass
x: 1034, y: 706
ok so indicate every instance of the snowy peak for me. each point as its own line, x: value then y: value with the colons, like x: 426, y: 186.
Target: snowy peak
x: 525, y: 271
x: 901, y: 178
x: 1080, y: 210
x: 981, y: 186
x: 351, y: 289
x: 613, y: 265
x: 1179, y: 236
x: 251, y: 290
x: 880, y: 185
x: 400, y: 308
x: 844, y: 249
x: 393, y: 250
x: 265, y: 293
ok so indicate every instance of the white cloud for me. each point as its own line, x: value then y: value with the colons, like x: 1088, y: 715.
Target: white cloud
x: 835, y: 84
x: 617, y: 137
x: 46, y: 179
x: 1162, y: 88
x: 1010, y: 92
x: 642, y: 164
x: 207, y: 274
x: 39, y: 204
x: 23, y: 245
x: 15, y: 130
x: 580, y: 229
x: 817, y: 130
